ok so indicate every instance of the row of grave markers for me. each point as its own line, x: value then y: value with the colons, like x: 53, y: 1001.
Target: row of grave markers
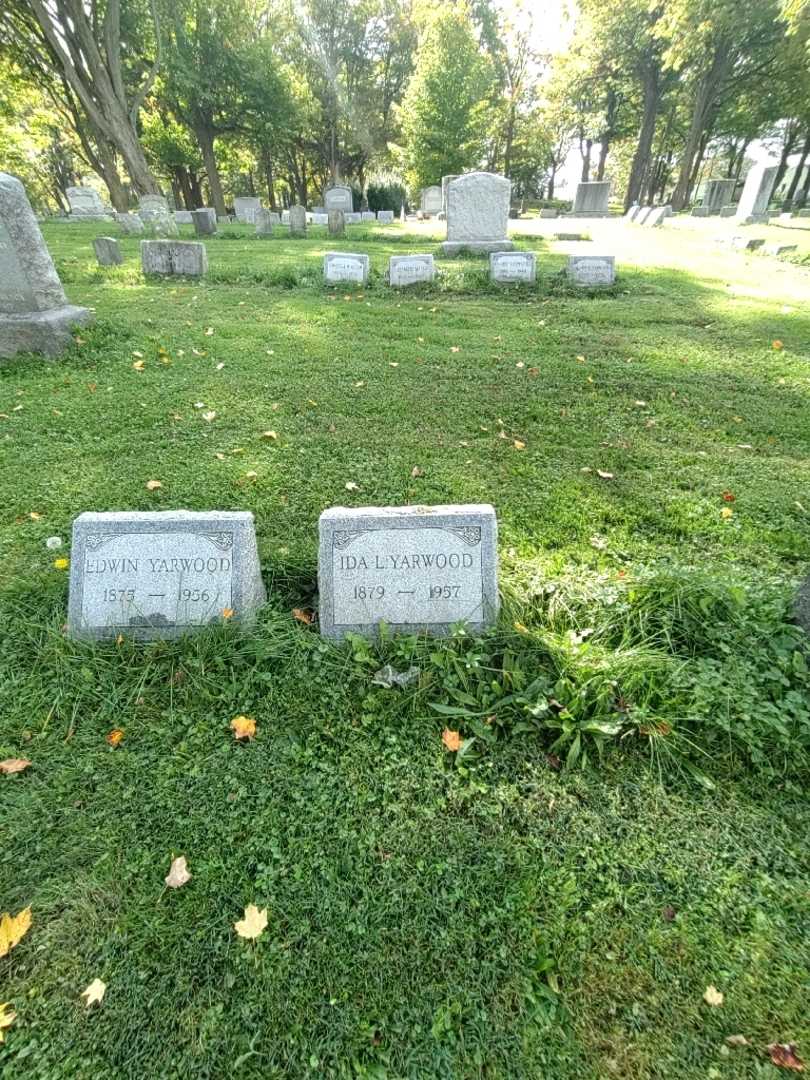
x: 416, y: 569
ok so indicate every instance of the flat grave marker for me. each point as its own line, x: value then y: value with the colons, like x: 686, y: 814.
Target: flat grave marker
x: 344, y: 266
x: 507, y: 267
x: 591, y: 269
x: 410, y: 269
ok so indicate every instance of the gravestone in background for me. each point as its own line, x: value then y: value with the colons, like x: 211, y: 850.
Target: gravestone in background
x: 508, y: 267
x: 130, y: 223
x: 173, y: 257
x: 430, y: 201
x: 700, y: 211
x: 643, y: 214
x: 549, y: 212
x: 369, y: 215
x: 204, y: 221
x: 320, y: 219
x: 35, y: 315
x: 336, y: 222
x: 153, y: 204
x: 658, y: 216
x: 591, y: 269
x: 385, y: 216
x: 183, y: 217
x: 263, y: 220
x: 161, y: 574
x: 85, y: 202
x: 338, y: 197
x: 778, y: 249
x: 344, y: 266
x: 446, y: 181
x: 477, y: 213
x: 354, y: 218
x: 752, y: 209
x: 108, y: 251
x: 717, y: 193
x: 298, y: 221
x: 414, y: 568
x: 245, y: 207
x: 410, y: 269
x: 632, y: 212
x: 728, y: 211
x: 591, y: 198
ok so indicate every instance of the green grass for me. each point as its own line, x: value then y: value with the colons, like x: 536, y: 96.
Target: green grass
x: 492, y: 916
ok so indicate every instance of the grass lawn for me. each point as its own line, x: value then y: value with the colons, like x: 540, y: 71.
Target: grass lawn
x: 627, y: 823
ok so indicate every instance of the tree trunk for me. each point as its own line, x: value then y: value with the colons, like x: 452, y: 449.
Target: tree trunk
x: 604, y: 146
x: 108, y: 171
x: 509, y: 141
x: 801, y: 202
x: 184, y: 180
x: 641, y: 158
x: 794, y: 183
x: 267, y: 164
x: 705, y: 98
x: 586, y: 159
x: 195, y: 187
x: 791, y: 138
x: 205, y: 138
x: 701, y: 151
x: 551, y: 179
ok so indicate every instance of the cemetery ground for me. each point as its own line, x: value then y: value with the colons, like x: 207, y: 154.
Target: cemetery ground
x: 519, y: 907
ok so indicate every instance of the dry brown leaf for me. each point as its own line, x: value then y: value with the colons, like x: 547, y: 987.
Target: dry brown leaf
x: 13, y: 765
x: 302, y: 615
x: 94, y: 992
x: 115, y: 736
x: 243, y: 727
x: 451, y: 739
x: 13, y: 929
x: 712, y: 996
x: 785, y: 1057
x: 253, y: 924
x: 153, y: 485
x: 178, y: 873
x: 6, y: 1019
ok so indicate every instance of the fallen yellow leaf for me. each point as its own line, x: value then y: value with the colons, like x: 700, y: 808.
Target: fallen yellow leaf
x: 302, y: 615
x: 61, y: 564
x: 153, y: 485
x: 139, y: 365
x: 351, y: 486
x: 94, y: 992
x: 115, y: 736
x: 227, y: 613
x: 6, y: 1019
x: 451, y: 739
x: 777, y: 344
x: 726, y: 512
x: 269, y: 435
x: 712, y: 996
x: 178, y: 873
x: 243, y: 727
x: 14, y: 765
x: 253, y: 924
x: 519, y: 444
x: 13, y: 928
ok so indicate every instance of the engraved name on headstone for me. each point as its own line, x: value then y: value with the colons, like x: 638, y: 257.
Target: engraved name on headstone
x: 510, y: 266
x: 344, y: 266
x: 160, y: 574
x: 414, y: 568
x: 410, y: 269
x: 591, y: 269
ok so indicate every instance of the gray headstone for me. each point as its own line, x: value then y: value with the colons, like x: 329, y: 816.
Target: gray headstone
x: 778, y: 249
x: 163, y: 225
x: 477, y: 213
x: 752, y: 208
x: 153, y: 204
x: 746, y: 243
x: 591, y: 198
x: 632, y: 212
x: 204, y: 221
x: 402, y: 218
x: 353, y: 218
x: 173, y: 257
x: 700, y: 211
x: 285, y: 217
x: 298, y: 221
x: 183, y: 217
x: 108, y: 251
x: 318, y: 209
x: 591, y: 269
x: 368, y: 215
x: 728, y: 211
x: 414, y: 568
x: 507, y: 267
x: 716, y: 194
x: 570, y: 236
x: 162, y: 574
x: 430, y: 201
x: 263, y: 220
x: 35, y: 315
x: 547, y: 212
x: 410, y: 269
x: 338, y: 197
x: 658, y: 216
x: 339, y: 266
x: 643, y: 214
x: 245, y: 207
x: 337, y: 222
x: 386, y: 216
x: 85, y: 202
x: 320, y: 219
x: 130, y: 223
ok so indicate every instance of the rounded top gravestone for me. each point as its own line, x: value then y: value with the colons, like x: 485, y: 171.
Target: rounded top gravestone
x: 478, y: 213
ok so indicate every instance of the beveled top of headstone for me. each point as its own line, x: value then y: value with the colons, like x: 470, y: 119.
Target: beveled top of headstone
x: 28, y: 278
x: 338, y: 197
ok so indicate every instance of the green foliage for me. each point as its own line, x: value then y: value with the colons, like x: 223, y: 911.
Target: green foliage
x: 444, y: 111
x: 386, y: 196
